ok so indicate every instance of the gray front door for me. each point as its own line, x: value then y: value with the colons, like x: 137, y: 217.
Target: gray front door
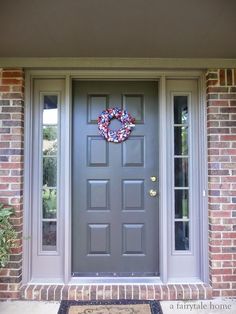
x: 114, y: 217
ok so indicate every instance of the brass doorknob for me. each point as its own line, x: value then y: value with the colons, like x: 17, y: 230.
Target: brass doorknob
x: 153, y: 178
x: 153, y: 193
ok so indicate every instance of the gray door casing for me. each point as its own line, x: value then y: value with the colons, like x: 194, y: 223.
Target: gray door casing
x: 114, y: 219
x: 57, y: 267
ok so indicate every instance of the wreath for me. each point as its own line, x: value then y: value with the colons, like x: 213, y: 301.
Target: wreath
x: 115, y: 136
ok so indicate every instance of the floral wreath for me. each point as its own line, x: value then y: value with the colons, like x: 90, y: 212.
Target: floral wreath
x: 115, y: 136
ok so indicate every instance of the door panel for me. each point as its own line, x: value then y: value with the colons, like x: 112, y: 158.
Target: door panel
x: 114, y: 219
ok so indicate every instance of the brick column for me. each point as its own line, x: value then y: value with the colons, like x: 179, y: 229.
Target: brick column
x: 221, y: 119
x: 11, y: 170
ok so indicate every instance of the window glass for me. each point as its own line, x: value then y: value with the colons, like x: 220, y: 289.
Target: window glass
x: 182, y: 235
x: 49, y: 172
x: 180, y: 109
x: 181, y: 140
x: 181, y: 172
x: 181, y: 204
x: 49, y: 235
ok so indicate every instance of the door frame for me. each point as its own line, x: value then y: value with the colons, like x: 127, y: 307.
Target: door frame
x: 134, y: 74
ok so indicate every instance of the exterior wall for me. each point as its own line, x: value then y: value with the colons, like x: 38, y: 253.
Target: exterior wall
x: 221, y: 119
x: 221, y: 124
x: 11, y: 169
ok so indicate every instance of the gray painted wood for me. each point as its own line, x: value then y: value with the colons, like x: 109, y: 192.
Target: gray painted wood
x: 114, y: 219
x: 46, y: 265
x: 184, y: 264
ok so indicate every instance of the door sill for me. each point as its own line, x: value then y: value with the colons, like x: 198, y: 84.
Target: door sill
x: 115, y: 280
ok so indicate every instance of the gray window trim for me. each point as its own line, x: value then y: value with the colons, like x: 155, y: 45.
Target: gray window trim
x: 162, y: 76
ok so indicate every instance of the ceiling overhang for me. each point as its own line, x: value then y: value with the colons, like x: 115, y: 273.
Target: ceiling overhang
x: 120, y: 29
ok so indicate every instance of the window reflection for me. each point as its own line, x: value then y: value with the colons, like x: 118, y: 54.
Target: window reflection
x: 181, y: 203
x: 49, y: 173
x: 181, y: 140
x: 50, y: 110
x: 49, y: 202
x: 49, y: 140
x: 182, y: 235
x: 49, y: 235
x: 180, y: 109
x: 181, y: 172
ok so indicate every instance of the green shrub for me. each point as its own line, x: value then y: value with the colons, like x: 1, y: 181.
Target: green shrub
x: 7, y: 234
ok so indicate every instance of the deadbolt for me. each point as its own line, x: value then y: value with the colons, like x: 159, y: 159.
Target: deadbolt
x: 153, y: 193
x: 153, y: 179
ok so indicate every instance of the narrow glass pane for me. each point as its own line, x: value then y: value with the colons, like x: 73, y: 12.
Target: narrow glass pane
x: 181, y: 172
x: 181, y: 204
x: 50, y: 140
x: 50, y: 171
x: 49, y: 203
x: 181, y: 140
x: 49, y: 235
x: 181, y: 109
x: 50, y: 109
x: 182, y: 235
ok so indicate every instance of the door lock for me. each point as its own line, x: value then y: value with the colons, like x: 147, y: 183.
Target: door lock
x: 153, y: 193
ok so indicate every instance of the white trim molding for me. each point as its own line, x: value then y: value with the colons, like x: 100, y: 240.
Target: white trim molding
x: 121, y: 63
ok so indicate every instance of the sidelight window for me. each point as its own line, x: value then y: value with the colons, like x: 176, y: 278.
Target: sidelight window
x: 49, y: 200
x: 181, y: 172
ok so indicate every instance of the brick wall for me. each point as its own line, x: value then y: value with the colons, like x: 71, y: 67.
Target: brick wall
x: 11, y: 169
x: 221, y: 113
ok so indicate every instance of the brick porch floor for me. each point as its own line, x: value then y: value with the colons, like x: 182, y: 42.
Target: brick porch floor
x: 108, y: 292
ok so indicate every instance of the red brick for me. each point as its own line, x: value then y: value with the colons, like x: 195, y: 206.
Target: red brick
x: 4, y: 88
x: 215, y: 249
x: 12, y: 81
x: 229, y: 179
x: 228, y: 293
x: 212, y: 110
x: 218, y: 130
x: 221, y: 271
x: 219, y: 159
x: 222, y: 77
x: 221, y: 286
x: 220, y: 228
x: 13, y: 74
x: 213, y: 151
x: 228, y: 110
x: 215, y: 89
x: 12, y: 95
x: 213, y: 144
x: 218, y: 103
x: 229, y: 77
x: 218, y: 117
x: 229, y: 235
x: 228, y: 123
x: 219, y: 200
x: 228, y: 137
x: 227, y: 96
x: 9, y: 109
x: 228, y: 207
